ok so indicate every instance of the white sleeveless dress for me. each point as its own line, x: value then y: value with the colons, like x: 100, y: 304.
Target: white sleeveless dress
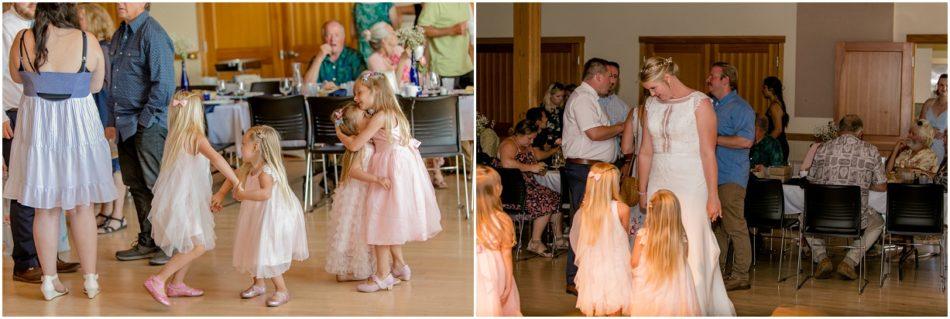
x: 677, y: 166
x: 181, y: 209
x: 603, y: 279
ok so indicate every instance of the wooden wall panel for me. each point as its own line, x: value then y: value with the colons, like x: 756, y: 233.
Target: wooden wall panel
x: 495, y: 82
x: 242, y: 30
x: 874, y: 81
x: 754, y: 63
x: 562, y: 61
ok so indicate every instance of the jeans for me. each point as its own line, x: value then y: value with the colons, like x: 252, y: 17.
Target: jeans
x: 21, y: 219
x: 140, y: 158
x: 576, y: 177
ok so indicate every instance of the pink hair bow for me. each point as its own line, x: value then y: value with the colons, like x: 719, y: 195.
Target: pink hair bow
x: 414, y: 143
x: 181, y: 102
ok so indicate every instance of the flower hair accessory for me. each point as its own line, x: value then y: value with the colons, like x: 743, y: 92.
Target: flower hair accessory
x: 596, y: 176
x: 370, y: 74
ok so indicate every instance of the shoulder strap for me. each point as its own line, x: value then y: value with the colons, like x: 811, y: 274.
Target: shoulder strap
x: 24, y: 53
x: 82, y: 68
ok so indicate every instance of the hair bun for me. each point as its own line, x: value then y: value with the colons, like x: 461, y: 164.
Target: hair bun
x: 367, y: 35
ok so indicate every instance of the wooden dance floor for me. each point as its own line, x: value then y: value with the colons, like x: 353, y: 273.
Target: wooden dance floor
x: 541, y: 285
x: 441, y: 282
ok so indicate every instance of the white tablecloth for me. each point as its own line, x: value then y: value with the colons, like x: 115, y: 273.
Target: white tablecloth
x: 227, y: 123
x: 467, y: 117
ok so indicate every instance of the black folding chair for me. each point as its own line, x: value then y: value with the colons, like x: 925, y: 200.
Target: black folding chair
x: 266, y: 87
x: 435, y: 123
x: 290, y: 116
x: 514, y: 193
x: 914, y: 210
x: 324, y: 133
x: 198, y: 87
x: 765, y: 210
x: 833, y: 211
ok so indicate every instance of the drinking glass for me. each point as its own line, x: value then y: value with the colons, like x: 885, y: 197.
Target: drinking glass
x: 240, y: 89
x: 434, y: 82
x: 222, y: 87
x: 285, y: 86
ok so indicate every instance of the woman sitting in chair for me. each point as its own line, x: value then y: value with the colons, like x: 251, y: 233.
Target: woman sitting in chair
x: 912, y: 155
x: 542, y: 203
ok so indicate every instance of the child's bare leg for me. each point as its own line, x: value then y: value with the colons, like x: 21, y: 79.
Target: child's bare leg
x: 398, y: 260
x: 118, y: 206
x: 179, y: 277
x: 279, y: 284
x: 179, y: 261
x: 383, y: 261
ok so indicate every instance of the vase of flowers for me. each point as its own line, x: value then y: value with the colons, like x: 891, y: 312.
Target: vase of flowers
x: 183, y: 49
x: 826, y: 132
x: 413, y: 39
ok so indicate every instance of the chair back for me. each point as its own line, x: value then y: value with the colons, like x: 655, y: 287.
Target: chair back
x: 435, y: 123
x: 915, y: 209
x: 832, y: 210
x: 198, y: 88
x: 513, y: 190
x: 266, y: 87
x: 288, y: 115
x: 321, y: 110
x: 764, y: 203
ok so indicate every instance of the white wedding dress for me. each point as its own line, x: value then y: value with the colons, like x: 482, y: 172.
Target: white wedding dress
x: 677, y: 166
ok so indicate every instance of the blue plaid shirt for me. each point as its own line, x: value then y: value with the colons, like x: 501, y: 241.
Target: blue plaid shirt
x: 735, y: 118
x: 143, y: 76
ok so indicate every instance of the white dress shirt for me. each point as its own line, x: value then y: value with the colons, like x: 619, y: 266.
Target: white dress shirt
x: 12, y: 91
x: 582, y: 113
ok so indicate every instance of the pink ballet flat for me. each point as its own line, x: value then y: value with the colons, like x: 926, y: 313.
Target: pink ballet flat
x: 182, y: 290
x: 403, y: 273
x: 253, y: 291
x: 377, y: 285
x: 279, y: 298
x: 156, y: 288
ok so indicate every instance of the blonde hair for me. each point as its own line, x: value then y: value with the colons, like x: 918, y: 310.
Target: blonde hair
x: 386, y: 104
x: 664, y: 246
x: 925, y: 131
x: 268, y: 142
x: 186, y: 124
x: 351, y: 117
x: 494, y: 229
x: 603, y: 187
x: 656, y: 67
x: 553, y: 88
x: 98, y: 21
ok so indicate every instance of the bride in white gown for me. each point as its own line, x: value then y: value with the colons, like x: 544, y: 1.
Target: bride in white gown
x: 678, y: 153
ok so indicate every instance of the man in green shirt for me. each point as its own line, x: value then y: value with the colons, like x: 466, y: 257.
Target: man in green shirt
x: 766, y: 152
x: 335, y: 62
x: 446, y: 27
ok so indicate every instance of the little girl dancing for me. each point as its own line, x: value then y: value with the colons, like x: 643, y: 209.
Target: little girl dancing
x: 182, y: 225
x: 270, y: 231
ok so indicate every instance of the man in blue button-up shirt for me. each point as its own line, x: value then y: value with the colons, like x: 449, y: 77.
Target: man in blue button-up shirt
x: 143, y: 81
x: 736, y: 134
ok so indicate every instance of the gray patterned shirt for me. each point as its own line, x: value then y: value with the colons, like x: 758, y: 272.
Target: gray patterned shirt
x: 847, y: 160
x: 143, y: 75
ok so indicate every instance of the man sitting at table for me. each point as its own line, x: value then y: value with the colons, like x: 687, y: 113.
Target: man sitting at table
x: 766, y: 152
x: 848, y: 160
x: 335, y: 62
x: 913, y: 153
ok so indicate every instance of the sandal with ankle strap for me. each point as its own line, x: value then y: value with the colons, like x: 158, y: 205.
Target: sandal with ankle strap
x: 542, y: 251
x: 106, y: 227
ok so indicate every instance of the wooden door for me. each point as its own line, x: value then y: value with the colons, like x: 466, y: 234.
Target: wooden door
x: 692, y: 59
x: 875, y: 81
x: 242, y: 30
x: 562, y: 60
x: 754, y: 62
x: 755, y: 58
x: 302, y: 25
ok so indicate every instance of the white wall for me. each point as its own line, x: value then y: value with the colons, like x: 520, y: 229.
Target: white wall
x: 919, y: 18
x: 181, y: 20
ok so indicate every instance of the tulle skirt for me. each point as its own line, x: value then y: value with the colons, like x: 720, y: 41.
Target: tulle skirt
x: 408, y: 211
x: 348, y: 252
x: 497, y: 293
x: 181, y: 210
x: 269, y: 236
